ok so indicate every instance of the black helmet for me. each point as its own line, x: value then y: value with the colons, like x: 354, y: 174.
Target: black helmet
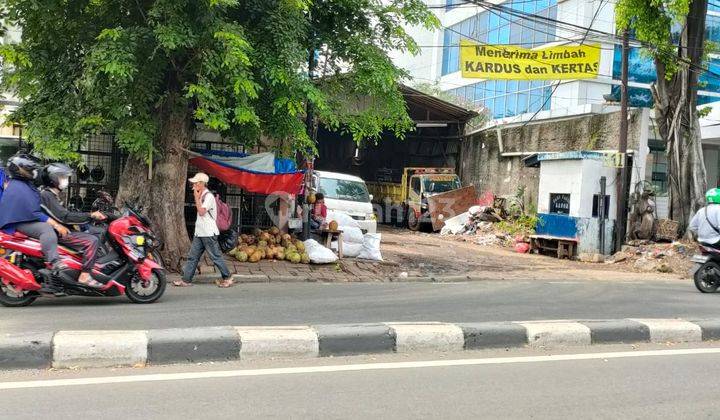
x: 52, y: 174
x: 23, y: 167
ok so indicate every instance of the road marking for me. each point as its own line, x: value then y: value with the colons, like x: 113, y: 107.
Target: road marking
x: 52, y: 383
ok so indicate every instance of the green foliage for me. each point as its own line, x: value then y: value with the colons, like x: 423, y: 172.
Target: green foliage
x: 237, y: 66
x: 704, y: 112
x: 652, y: 22
x: 523, y: 225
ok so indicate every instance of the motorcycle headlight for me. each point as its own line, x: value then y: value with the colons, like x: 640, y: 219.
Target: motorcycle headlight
x: 140, y: 240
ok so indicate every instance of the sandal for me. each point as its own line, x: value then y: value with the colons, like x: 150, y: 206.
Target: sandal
x: 224, y: 284
x: 180, y: 283
x: 93, y: 284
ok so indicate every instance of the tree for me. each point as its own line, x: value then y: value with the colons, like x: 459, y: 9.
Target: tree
x: 151, y: 70
x: 678, y: 61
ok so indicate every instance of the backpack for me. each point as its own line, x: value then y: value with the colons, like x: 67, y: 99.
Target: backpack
x: 223, y: 214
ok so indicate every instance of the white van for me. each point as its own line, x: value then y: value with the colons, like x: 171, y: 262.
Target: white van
x: 347, y: 194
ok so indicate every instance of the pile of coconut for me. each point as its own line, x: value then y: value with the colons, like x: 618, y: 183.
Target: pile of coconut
x: 270, y: 244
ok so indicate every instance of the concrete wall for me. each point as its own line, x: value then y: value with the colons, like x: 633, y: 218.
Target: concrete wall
x: 593, y: 170
x: 560, y: 177
x: 711, y: 156
x: 482, y: 164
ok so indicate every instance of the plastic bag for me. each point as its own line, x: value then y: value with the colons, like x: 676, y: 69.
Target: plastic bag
x: 370, y: 247
x: 319, y: 254
x: 349, y: 250
x: 343, y: 219
x: 351, y: 235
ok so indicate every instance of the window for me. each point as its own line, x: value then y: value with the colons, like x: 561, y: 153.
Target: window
x: 595, y: 208
x: 560, y: 203
x: 658, y: 176
x: 415, y: 184
x: 341, y: 189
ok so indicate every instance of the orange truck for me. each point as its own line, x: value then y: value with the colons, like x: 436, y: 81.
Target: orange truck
x: 425, y: 196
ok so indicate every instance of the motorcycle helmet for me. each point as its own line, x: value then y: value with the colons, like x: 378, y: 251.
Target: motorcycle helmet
x: 713, y: 196
x: 23, y: 167
x: 56, y: 175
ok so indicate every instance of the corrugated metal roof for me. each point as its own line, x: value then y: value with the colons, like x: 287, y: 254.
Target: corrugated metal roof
x: 438, y: 106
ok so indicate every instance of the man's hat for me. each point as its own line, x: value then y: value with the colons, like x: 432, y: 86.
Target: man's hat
x: 199, y: 177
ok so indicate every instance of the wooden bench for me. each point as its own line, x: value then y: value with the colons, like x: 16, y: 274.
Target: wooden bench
x: 563, y: 247
x: 327, y: 237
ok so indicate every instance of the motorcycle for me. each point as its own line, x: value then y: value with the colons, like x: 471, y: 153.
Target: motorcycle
x: 707, y: 269
x: 127, y: 264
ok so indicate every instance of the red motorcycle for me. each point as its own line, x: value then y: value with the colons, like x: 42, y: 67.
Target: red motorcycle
x: 127, y: 264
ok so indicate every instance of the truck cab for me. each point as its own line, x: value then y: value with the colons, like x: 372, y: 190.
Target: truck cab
x: 348, y: 194
x: 421, y: 183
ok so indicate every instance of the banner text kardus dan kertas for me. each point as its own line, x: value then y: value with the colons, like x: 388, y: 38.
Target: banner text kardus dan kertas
x: 515, y: 63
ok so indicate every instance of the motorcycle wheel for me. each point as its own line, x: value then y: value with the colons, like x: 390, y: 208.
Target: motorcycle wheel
x: 707, y: 277
x: 138, y: 292
x: 13, y: 298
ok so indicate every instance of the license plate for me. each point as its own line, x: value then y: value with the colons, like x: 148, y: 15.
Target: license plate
x: 700, y: 259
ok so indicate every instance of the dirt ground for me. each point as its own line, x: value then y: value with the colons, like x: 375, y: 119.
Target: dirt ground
x: 412, y: 256
x: 430, y: 254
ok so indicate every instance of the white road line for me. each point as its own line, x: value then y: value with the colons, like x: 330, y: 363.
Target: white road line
x: 347, y: 368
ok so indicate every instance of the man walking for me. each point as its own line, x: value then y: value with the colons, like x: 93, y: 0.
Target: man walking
x: 206, y: 235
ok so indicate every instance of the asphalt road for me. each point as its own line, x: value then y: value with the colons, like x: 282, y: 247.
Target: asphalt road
x: 653, y: 386
x: 313, y: 303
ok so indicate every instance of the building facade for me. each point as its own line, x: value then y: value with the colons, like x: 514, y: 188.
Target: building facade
x: 10, y: 135
x: 511, y: 103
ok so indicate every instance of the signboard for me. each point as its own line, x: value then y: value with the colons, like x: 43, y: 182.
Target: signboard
x: 560, y: 203
x: 508, y: 62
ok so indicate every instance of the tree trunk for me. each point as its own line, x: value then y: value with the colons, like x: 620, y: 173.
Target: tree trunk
x: 678, y: 122
x: 163, y: 196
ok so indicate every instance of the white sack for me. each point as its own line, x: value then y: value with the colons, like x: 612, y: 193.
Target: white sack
x: 371, y: 247
x: 319, y: 254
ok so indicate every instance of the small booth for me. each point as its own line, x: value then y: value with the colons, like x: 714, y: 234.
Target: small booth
x: 576, y: 202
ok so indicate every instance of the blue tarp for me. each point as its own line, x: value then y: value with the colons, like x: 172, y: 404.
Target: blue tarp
x: 282, y: 165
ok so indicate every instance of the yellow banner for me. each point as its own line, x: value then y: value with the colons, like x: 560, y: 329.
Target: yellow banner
x: 515, y: 63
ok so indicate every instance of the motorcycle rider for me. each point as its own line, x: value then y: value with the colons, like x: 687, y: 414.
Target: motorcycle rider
x: 20, y: 210
x: 55, y: 178
x: 705, y: 224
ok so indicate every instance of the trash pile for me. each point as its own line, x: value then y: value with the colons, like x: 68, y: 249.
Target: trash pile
x: 647, y: 256
x: 489, y: 226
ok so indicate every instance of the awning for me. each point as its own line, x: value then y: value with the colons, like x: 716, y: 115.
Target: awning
x: 261, y: 173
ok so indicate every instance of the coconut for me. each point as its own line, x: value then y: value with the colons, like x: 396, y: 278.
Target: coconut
x: 241, y: 256
x: 300, y: 246
x: 295, y: 258
x: 305, y: 258
x: 274, y: 230
x: 333, y: 226
x: 311, y: 199
x: 280, y: 255
x: 257, y: 256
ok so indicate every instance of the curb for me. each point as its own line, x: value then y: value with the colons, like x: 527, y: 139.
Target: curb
x: 73, y: 349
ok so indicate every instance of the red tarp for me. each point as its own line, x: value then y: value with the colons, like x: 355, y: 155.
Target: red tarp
x: 255, y: 182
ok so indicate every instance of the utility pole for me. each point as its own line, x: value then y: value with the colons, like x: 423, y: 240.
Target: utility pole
x: 621, y: 179
x: 310, y: 129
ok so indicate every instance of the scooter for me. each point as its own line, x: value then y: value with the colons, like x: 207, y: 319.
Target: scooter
x: 128, y: 265
x: 707, y: 269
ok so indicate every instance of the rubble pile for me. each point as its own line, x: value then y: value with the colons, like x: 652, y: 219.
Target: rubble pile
x: 479, y: 222
x: 647, y: 256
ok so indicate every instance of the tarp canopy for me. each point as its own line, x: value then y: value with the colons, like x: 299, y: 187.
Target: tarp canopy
x: 260, y: 173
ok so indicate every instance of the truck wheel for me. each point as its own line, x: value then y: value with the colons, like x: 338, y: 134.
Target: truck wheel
x: 412, y: 220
